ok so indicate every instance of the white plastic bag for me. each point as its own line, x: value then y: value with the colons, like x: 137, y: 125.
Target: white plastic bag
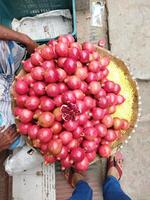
x: 22, y: 160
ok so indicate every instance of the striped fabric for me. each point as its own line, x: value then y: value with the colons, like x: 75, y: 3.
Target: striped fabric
x: 11, y: 55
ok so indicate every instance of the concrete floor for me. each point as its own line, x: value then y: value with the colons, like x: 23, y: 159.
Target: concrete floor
x: 129, y: 37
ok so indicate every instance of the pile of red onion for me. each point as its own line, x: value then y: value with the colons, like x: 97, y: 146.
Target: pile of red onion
x: 64, y: 103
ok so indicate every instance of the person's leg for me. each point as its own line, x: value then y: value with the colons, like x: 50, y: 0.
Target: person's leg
x: 111, y: 187
x: 82, y: 190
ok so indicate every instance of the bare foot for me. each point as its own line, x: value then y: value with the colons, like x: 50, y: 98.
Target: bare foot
x: 115, y: 167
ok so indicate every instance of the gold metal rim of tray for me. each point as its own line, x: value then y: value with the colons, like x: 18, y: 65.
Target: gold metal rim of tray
x: 122, y: 68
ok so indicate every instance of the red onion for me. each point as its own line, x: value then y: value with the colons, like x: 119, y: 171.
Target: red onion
x: 39, y: 88
x: 32, y: 103
x: 74, y: 143
x: 68, y: 96
x: 20, y: 100
x: 89, y: 102
x: 74, y: 53
x: 88, y: 124
x: 84, y: 87
x: 37, y: 113
x: 47, y: 52
x: 94, y: 87
x: 23, y: 128
x: 82, y: 119
x: 88, y: 46
x: 70, y: 66
x: 52, y: 90
x: 66, y: 137
x: 82, y: 73
x: 56, y: 127
x: 73, y: 82
x: 70, y: 125
x: 27, y: 65
x: 44, y: 148
x: 58, y: 100
x: 66, y: 163
x: 105, y: 61
x: 70, y: 38
x: 33, y: 131
x: 117, y: 88
x: 82, y: 165
x: 94, y: 66
x: 77, y: 133
x: 84, y: 56
x: 97, y: 113
x: 28, y: 79
x: 61, y: 49
x: 77, y: 154
x: 109, y: 86
x: 108, y: 121
x: 100, y: 75
x: 77, y: 45
x: 102, y: 102
x: 104, y: 150
x: 47, y: 104
x: 101, y: 93
x: 90, y: 133
x: 79, y: 94
x: 89, y: 146
x: 118, y: 123
x: 81, y: 106
x: 55, y: 146
x: 111, y: 99
x: 49, y: 159
x: 63, y: 154
x: 101, y: 130
x: 25, y: 116
x: 63, y: 39
x: 36, y: 58
x: 91, y: 156
x: 112, y: 109
x: 60, y: 61
x: 46, y: 119
x: 125, y: 124
x: 91, y: 77
x: 44, y: 135
x: 21, y: 87
x: 57, y: 113
x: 61, y: 74
x: 120, y: 99
x: 96, y: 55
x: 62, y: 87
x: 50, y: 64
x: 102, y: 42
x: 51, y: 76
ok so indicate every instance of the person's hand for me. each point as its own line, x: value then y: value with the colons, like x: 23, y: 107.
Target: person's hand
x: 30, y: 45
x: 7, y: 136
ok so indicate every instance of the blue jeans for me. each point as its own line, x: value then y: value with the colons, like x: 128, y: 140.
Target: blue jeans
x: 111, y: 191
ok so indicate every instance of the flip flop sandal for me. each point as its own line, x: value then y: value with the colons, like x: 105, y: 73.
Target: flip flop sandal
x: 68, y: 175
x: 118, y: 156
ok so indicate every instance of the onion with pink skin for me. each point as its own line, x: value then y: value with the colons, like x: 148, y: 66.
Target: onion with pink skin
x: 109, y: 86
x: 46, y: 104
x: 17, y: 111
x: 97, y: 140
x: 120, y: 99
x: 102, y: 102
x: 70, y: 125
x: 81, y: 106
x: 63, y: 154
x: 82, y: 119
x: 33, y: 132
x: 84, y: 56
x: 36, y: 58
x: 96, y: 55
x: 66, y: 137
x: 94, y: 66
x: 66, y: 163
x: 48, y: 64
x: 88, y: 46
x: 112, y: 109
x: 94, y: 87
x: 102, y: 42
x: 84, y: 87
x: 82, y: 73
x: 47, y: 52
x: 73, y: 144
x: 37, y: 73
x: 111, y: 99
x: 62, y: 38
x: 78, y: 132
x: 55, y: 146
x: 44, y: 135
x: 79, y: 94
x: 105, y: 72
x: 39, y: 88
x: 97, y: 113
x: 49, y: 159
x: 57, y: 113
x: 89, y: 146
x: 27, y: 65
x: 52, y: 90
x: 68, y: 96
x: 23, y: 128
x: 90, y: 133
x: 37, y: 113
x: 60, y: 62
x: 125, y: 124
x: 70, y: 38
x: 46, y: 119
x: 56, y: 127
x: 91, y: 77
x: 52, y: 42
x: 70, y: 66
x: 88, y: 124
x: 21, y: 87
x: 73, y: 82
x: 44, y: 148
x: 20, y: 100
x: 62, y: 87
x: 74, y: 53
x: 101, y: 93
x: 25, y: 116
x: 32, y: 103
x: 61, y: 49
x: 61, y: 74
x: 77, y: 154
x: 28, y: 79
x: 104, y: 151
x: 117, y: 88
x: 108, y: 121
x: 101, y: 130
x: 36, y: 143
x: 105, y: 61
x: 100, y: 75
x: 89, y: 102
x: 58, y: 100
x: 82, y: 165
x: 91, y: 156
x: 77, y: 45
x: 51, y: 75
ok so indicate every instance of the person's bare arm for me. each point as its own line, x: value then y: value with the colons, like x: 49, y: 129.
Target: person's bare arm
x: 8, y: 34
